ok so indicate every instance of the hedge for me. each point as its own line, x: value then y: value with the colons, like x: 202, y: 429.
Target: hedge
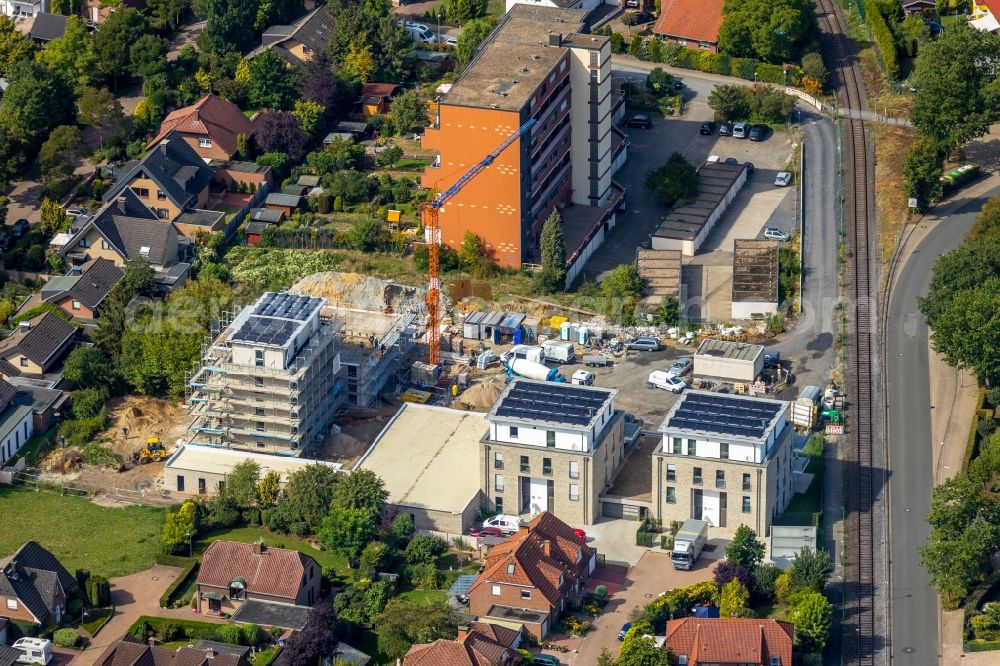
x: 174, y: 560
x: 190, y: 629
x: 884, y: 39
x: 183, y: 578
x: 970, y: 447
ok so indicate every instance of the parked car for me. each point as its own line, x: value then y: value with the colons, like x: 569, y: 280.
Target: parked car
x: 774, y: 233
x: 632, y: 4
x: 732, y: 160
x: 639, y: 120
x: 708, y: 128
x: 740, y: 130
x: 759, y: 133
x: 666, y: 381
x: 749, y: 166
x: 485, y: 532
x: 505, y: 524
x: 643, y: 343
x: 451, y: 40
x: 420, y: 33
x: 681, y: 366
x: 643, y: 17
x: 782, y: 179
x: 21, y: 227
x: 625, y: 628
x: 580, y: 534
x: 545, y: 660
x: 725, y: 129
x: 76, y: 212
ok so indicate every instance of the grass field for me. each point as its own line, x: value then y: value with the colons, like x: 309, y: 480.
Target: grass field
x: 108, y: 541
x: 250, y: 534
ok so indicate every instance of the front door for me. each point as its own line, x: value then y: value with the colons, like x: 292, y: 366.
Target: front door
x: 215, y: 605
x: 538, y: 490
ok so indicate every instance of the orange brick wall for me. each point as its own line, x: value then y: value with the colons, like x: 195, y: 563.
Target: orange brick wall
x: 490, y: 204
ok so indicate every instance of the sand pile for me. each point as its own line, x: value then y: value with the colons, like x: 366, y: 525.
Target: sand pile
x: 480, y: 397
x: 359, y: 291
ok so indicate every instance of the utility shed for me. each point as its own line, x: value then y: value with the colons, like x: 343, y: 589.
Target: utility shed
x: 728, y: 361
x: 755, y: 278
x: 686, y: 227
x: 660, y: 271
x: 428, y: 458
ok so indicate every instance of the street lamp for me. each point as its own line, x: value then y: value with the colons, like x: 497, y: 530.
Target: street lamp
x: 190, y: 536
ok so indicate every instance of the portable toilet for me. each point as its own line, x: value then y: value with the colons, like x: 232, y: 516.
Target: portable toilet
x: 564, y: 331
x: 583, y: 336
x: 518, y: 336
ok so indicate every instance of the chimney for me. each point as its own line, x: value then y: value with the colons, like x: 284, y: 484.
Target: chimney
x: 25, y: 325
x: 463, y: 631
x: 555, y: 39
x: 196, y: 116
x: 152, y: 642
x: 259, y: 547
x: 121, y: 204
x: 547, y: 548
x: 163, y: 146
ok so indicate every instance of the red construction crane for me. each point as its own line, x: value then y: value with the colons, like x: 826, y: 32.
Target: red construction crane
x: 429, y: 216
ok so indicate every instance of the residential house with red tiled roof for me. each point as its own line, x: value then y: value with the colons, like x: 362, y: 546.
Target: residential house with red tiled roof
x: 130, y: 652
x: 34, y: 586
x: 232, y: 573
x: 210, y: 126
x: 529, y: 578
x: 731, y: 641
x: 691, y: 23
x: 478, y: 644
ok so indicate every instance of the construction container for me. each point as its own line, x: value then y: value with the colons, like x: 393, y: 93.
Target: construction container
x: 531, y: 328
x: 556, y: 322
x: 559, y: 351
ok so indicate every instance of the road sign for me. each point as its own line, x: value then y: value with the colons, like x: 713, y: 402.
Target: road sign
x: 912, y: 202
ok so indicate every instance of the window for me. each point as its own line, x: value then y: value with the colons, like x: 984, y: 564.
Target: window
x: 724, y: 450
x: 105, y: 245
x: 12, y: 604
x: 513, y: 432
x: 258, y: 358
x: 677, y: 446
x: 746, y: 504
x: 525, y: 594
x: 720, y: 479
x: 671, y: 472
x: 222, y: 486
x: 550, y: 439
x: 76, y: 305
x: 258, y: 411
x: 204, y: 142
x: 671, y: 495
x: 746, y: 483
x: 84, y: 242
x: 160, y: 195
x: 525, y: 465
x: 574, y: 469
x: 496, y: 590
x: 260, y: 426
x: 180, y: 484
x: 547, y: 466
x: 201, y: 486
x: 574, y: 492
x: 162, y: 213
x: 258, y: 382
x: 595, y: 59
x: 498, y: 503
x: 237, y: 590
x: 497, y: 461
x: 24, y: 361
x: 775, y: 661
x: 697, y: 476
x: 552, y: 77
x: 498, y: 483
x: 141, y: 192
x: 692, y: 447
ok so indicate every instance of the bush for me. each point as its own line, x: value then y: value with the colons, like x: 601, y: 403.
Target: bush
x: 74, y: 606
x: 65, y: 638
x: 338, y: 204
x: 676, y: 182
x: 883, y: 37
x: 99, y: 591
x: 230, y: 633
x: 765, y: 577
x: 189, y: 571
x: 95, y: 454
x: 80, y: 431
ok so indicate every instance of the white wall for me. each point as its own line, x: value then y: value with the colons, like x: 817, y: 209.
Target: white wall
x: 17, y: 437
x: 567, y: 439
x: 24, y: 7
x: 582, y: 4
x: 743, y: 452
x: 746, y: 309
x: 711, y: 507
x: 580, y: 84
x: 686, y: 247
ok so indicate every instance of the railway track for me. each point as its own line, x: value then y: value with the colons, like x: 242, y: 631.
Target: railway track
x: 865, y: 635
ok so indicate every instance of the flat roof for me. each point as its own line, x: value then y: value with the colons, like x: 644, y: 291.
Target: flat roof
x: 275, y: 319
x: 723, y: 414
x: 272, y: 614
x: 516, y: 57
x: 196, y: 458
x: 660, y: 271
x: 429, y: 457
x: 527, y: 400
x: 715, y: 179
x: 755, y: 271
x: 738, y: 351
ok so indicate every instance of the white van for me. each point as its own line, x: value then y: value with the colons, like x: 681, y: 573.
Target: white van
x: 529, y: 352
x: 506, y: 524
x: 667, y: 381
x: 583, y: 378
x: 34, y: 650
x: 421, y: 34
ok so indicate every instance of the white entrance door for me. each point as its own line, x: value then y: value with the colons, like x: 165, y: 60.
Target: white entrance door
x: 710, y: 508
x: 539, y: 496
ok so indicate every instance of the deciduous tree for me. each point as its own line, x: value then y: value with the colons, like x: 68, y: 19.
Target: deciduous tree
x: 405, y: 622
x: 113, y: 42
x: 674, y: 182
x: 241, y: 483
x: 318, y: 639
x: 272, y: 84
x: 774, y: 31
x: 812, y: 615
x: 179, y: 527
x: 347, y: 531
x: 72, y: 55
x: 472, y: 36
x: 810, y: 569
x: 37, y: 101
x: 59, y: 154
x: 14, y: 46
x: 309, y: 492
x: 362, y: 489
x: 922, y: 168
x: 734, y: 598
x: 88, y: 367
x: 98, y: 107
x: 409, y: 112
x: 230, y: 24
x: 745, y: 549
x: 279, y: 132
x: 267, y: 489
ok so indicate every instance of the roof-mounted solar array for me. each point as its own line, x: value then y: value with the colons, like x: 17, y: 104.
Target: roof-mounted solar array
x: 552, y: 402
x: 266, y: 331
x: 286, y: 306
x: 725, y: 415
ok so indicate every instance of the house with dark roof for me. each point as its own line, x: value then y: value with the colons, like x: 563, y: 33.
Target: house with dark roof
x: 691, y: 23
x: 129, y: 652
x: 37, y: 344
x: 81, y: 292
x: 34, y: 586
x: 8, y: 655
x: 210, y: 126
x: 16, y: 422
x: 530, y: 577
x: 296, y: 43
x: 47, y: 27
x: 171, y: 178
x: 730, y: 641
x: 233, y: 573
x: 477, y: 644
x: 125, y: 228
x: 588, y: 5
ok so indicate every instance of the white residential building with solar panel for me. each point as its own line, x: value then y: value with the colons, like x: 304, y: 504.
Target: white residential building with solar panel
x: 725, y: 459
x: 551, y: 447
x: 269, y: 380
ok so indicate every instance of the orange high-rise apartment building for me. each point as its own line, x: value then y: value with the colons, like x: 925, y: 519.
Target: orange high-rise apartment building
x: 541, y: 63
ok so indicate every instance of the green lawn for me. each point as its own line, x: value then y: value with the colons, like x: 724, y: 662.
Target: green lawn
x: 424, y: 596
x: 108, y: 541
x: 250, y: 534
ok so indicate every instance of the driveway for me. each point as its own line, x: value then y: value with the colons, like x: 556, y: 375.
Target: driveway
x: 188, y: 34
x: 643, y: 582
x: 25, y: 201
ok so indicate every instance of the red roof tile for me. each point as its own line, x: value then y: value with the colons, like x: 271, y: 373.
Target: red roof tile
x: 730, y: 640
x: 693, y: 20
x: 484, y: 644
x: 212, y: 116
x: 276, y: 571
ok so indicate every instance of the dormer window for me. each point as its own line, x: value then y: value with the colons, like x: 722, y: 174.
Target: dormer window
x: 204, y: 142
x: 510, y: 569
x: 144, y: 252
x: 238, y: 588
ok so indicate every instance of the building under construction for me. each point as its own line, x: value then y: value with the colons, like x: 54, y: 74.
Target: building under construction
x: 270, y: 379
x: 375, y: 347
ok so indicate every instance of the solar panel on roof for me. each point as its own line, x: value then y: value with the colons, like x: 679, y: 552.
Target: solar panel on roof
x: 558, y: 403
x: 265, y: 330
x: 287, y: 306
x: 724, y: 415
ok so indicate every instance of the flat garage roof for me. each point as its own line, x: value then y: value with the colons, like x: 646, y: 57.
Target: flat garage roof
x: 207, y: 459
x: 429, y: 457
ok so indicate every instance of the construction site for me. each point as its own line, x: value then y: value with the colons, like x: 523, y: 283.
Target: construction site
x: 755, y: 279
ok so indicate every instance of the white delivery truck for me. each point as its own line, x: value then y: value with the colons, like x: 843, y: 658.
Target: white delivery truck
x: 688, y: 543
x: 559, y: 351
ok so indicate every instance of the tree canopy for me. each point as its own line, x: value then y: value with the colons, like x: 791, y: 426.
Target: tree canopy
x: 473, y: 34
x: 676, y: 182
x: 775, y: 31
x: 745, y: 549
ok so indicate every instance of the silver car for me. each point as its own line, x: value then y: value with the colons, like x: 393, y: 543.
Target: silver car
x: 681, y: 366
x: 774, y: 233
x: 644, y: 343
x: 782, y: 179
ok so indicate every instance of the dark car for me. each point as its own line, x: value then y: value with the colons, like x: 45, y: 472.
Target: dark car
x: 625, y: 628
x: 678, y: 84
x: 732, y: 160
x: 707, y: 128
x: 759, y: 133
x: 21, y: 227
x: 639, y: 120
x: 642, y: 17
x: 725, y: 129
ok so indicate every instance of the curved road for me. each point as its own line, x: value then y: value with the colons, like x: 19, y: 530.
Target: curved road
x: 914, y: 602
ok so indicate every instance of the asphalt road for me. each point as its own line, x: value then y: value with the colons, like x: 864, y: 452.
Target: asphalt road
x: 915, y: 611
